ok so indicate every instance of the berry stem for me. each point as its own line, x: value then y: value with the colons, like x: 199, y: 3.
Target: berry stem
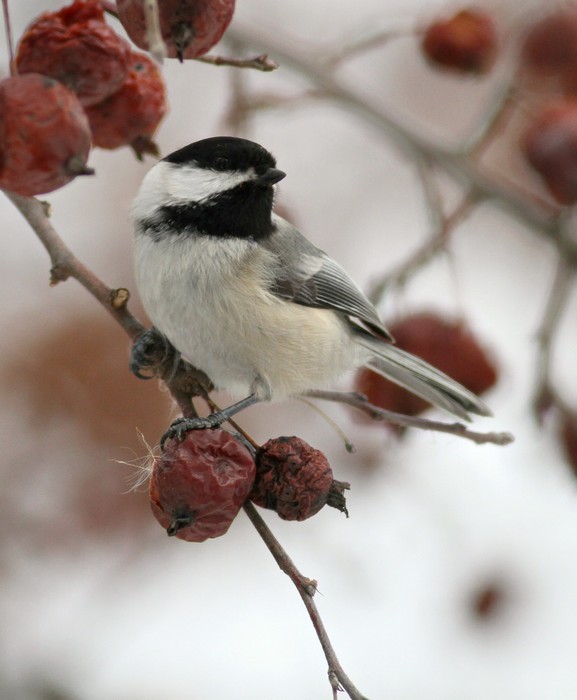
x: 9, y: 40
x: 109, y: 8
x: 156, y: 45
x: 306, y: 588
x: 261, y: 62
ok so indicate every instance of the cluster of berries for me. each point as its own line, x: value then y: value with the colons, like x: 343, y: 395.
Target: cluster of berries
x: 198, y: 485
x: 546, y: 53
x: 77, y: 83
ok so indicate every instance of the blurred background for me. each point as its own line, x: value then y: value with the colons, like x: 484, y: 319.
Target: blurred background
x: 454, y: 577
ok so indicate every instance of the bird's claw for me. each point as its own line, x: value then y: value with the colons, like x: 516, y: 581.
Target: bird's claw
x: 181, y: 426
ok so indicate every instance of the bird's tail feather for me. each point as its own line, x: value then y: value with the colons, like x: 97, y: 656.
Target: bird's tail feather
x: 423, y: 379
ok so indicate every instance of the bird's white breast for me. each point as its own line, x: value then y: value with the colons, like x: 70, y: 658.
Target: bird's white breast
x: 211, y: 302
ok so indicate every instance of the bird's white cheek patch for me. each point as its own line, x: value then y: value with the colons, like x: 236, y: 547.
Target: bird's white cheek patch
x: 194, y: 184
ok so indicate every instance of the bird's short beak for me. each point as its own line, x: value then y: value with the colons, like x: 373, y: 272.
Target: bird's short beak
x: 271, y: 177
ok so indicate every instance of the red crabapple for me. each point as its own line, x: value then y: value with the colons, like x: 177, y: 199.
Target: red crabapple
x: 465, y: 43
x: 132, y: 114
x: 199, y: 484
x: 448, y: 345
x: 189, y: 27
x: 295, y: 479
x: 550, y: 147
x: 76, y: 47
x: 44, y: 135
x: 550, y: 45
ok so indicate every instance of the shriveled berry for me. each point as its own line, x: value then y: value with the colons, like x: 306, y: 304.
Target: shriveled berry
x: 133, y: 113
x: 198, y: 485
x: 294, y: 479
x: 487, y: 601
x: 550, y: 147
x: 466, y: 42
x: 76, y: 47
x: 550, y: 45
x: 44, y: 135
x: 446, y: 344
x: 189, y: 27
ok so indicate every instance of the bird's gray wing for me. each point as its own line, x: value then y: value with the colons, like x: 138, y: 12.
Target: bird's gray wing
x: 306, y: 275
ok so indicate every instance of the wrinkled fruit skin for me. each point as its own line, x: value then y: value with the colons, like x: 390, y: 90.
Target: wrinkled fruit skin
x: 190, y: 28
x: 131, y: 115
x: 292, y: 478
x: 464, y: 43
x: 447, y: 345
x: 550, y: 147
x: 198, y: 485
x: 76, y: 47
x: 44, y: 135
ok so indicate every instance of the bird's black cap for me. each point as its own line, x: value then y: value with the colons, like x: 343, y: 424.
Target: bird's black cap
x: 224, y: 153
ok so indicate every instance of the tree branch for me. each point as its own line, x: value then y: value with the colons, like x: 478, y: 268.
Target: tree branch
x: 261, y: 62
x: 306, y: 588
x: 361, y: 402
x: 545, y: 395
x: 435, y: 243
x: 9, y: 39
x: 536, y: 214
x: 183, y: 381
x: 65, y: 264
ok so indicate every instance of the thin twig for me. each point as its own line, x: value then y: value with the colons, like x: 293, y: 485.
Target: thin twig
x: 109, y: 7
x: 9, y: 39
x: 431, y: 193
x: 261, y: 62
x: 347, y: 444
x: 536, y: 214
x: 366, y: 43
x: 154, y: 40
x: 235, y: 118
x: 183, y: 381
x: 65, y: 264
x: 359, y: 401
x: 545, y: 395
x: 495, y: 119
x: 306, y: 588
x: 436, y: 243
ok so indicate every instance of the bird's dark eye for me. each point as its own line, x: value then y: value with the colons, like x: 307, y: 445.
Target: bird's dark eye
x: 221, y: 163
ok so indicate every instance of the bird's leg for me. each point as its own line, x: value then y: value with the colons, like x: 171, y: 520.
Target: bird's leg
x: 181, y: 426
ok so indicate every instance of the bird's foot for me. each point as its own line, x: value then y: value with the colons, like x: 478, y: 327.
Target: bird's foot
x: 181, y: 426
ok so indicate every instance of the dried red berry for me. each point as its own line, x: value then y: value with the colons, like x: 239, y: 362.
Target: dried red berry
x: 198, y: 485
x: 44, y: 135
x: 189, y: 27
x: 446, y: 344
x: 76, y: 47
x: 295, y: 479
x: 133, y: 113
x: 466, y: 42
x: 550, y: 45
x: 488, y: 600
x: 550, y: 147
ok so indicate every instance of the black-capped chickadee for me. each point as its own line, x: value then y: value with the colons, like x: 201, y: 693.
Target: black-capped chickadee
x: 246, y: 298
